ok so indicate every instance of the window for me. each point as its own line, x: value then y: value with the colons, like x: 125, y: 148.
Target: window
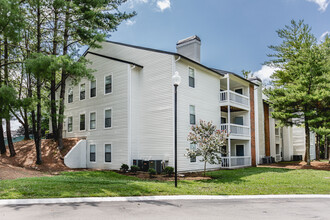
x: 92, y: 149
x: 108, y: 84
x: 69, y: 124
x: 223, y: 120
x: 93, y: 88
x: 107, y: 118
x: 92, y: 120
x: 107, y: 152
x: 82, y: 122
x: 191, y: 77
x: 193, y: 148
x: 239, y: 91
x: 240, y: 150
x: 277, y: 131
x: 277, y: 149
x: 82, y: 91
x: 192, y: 115
x: 70, y: 95
x: 238, y: 120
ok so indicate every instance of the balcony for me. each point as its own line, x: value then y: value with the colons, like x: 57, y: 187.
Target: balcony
x: 236, y: 130
x: 235, y: 161
x: 234, y: 97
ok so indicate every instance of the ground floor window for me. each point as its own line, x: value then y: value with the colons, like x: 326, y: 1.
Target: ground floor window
x: 92, y: 150
x: 107, y: 151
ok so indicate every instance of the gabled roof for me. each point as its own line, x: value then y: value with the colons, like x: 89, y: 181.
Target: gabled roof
x: 166, y: 52
x: 227, y: 72
x: 113, y: 58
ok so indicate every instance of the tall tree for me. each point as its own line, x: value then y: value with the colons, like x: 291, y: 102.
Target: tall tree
x: 298, y: 85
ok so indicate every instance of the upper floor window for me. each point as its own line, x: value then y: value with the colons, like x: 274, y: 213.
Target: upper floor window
x: 239, y: 91
x: 108, y: 84
x: 92, y: 150
x: 93, y: 88
x: 107, y: 152
x: 92, y: 120
x: 82, y: 91
x: 82, y: 122
x: 192, y: 114
x: 193, y: 148
x: 191, y: 77
x: 70, y: 124
x: 70, y: 95
x: 239, y: 120
x: 107, y: 118
x: 277, y: 131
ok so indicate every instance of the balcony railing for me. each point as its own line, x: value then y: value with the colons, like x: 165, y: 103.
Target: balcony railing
x: 236, y: 161
x: 238, y: 130
x: 234, y: 97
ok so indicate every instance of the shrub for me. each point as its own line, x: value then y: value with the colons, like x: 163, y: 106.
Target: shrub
x: 151, y: 172
x: 134, y: 169
x: 169, y: 171
x: 124, y: 168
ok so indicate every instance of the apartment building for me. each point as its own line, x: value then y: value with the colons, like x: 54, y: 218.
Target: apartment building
x: 127, y: 112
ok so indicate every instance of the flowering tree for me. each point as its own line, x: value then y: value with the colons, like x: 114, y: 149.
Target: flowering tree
x: 209, y: 142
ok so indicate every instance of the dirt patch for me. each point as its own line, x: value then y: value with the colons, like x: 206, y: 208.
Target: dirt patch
x: 315, y: 165
x: 162, y: 177
x: 23, y: 164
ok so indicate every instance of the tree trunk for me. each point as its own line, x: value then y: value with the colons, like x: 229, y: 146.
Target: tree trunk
x: 317, y: 147
x: 204, y: 168
x: 9, y: 139
x: 307, y: 143
x: 26, y: 128
x: 326, y: 147
x: 2, y: 140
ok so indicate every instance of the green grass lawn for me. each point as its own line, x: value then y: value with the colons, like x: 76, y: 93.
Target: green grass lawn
x: 250, y: 181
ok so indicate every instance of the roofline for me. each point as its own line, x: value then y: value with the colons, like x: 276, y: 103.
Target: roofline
x: 115, y: 59
x: 234, y: 74
x: 165, y: 52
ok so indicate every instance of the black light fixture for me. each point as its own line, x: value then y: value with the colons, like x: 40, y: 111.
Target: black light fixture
x: 176, y: 78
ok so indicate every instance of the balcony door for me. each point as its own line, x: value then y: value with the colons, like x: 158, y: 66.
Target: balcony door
x: 240, y: 150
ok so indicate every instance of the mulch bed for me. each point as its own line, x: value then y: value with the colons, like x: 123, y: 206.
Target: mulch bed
x: 315, y: 165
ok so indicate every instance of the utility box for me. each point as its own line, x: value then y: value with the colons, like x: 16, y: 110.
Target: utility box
x: 145, y: 166
x: 297, y: 157
x: 138, y: 163
x: 156, y: 164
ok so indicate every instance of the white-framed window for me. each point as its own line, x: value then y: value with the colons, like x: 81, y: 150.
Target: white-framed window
x: 193, y: 147
x: 70, y: 123
x: 107, y: 153
x: 108, y: 118
x: 239, y: 91
x: 239, y: 120
x: 93, y: 89
x: 82, y: 122
x: 92, y: 153
x: 92, y: 120
x: 108, y: 84
x: 192, y: 115
x: 277, y: 131
x: 191, y: 77
x: 70, y: 95
x: 82, y: 91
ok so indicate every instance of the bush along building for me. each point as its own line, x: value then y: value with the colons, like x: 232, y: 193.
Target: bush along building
x: 126, y: 115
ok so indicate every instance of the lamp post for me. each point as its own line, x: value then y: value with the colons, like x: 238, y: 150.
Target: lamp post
x: 176, y: 82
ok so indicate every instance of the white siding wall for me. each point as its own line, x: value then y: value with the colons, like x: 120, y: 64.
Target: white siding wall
x: 117, y: 101
x: 205, y: 98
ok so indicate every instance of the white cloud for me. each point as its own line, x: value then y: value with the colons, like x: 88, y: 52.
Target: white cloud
x: 323, y: 35
x: 130, y: 22
x: 132, y: 3
x: 323, y: 4
x: 264, y: 73
x: 163, y: 4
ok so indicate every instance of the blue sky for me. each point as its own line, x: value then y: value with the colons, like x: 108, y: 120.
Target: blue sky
x: 234, y: 33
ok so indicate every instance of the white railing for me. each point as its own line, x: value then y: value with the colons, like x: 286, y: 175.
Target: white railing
x: 234, y: 129
x: 235, y: 161
x: 234, y: 97
x: 238, y: 161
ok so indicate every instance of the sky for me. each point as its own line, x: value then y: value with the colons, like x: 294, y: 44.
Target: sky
x: 235, y: 34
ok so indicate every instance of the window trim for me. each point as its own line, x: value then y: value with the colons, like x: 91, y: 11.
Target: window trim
x: 83, y: 113
x: 89, y: 154
x: 236, y: 150
x: 90, y: 88
x: 110, y: 152
x: 80, y: 91
x: 190, y: 67
x: 67, y: 124
x: 111, y: 84
x: 190, y: 114
x: 109, y: 108
x: 195, y: 157
x: 68, y: 96
x: 92, y: 129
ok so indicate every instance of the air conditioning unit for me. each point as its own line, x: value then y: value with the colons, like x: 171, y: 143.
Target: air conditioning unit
x: 156, y: 164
